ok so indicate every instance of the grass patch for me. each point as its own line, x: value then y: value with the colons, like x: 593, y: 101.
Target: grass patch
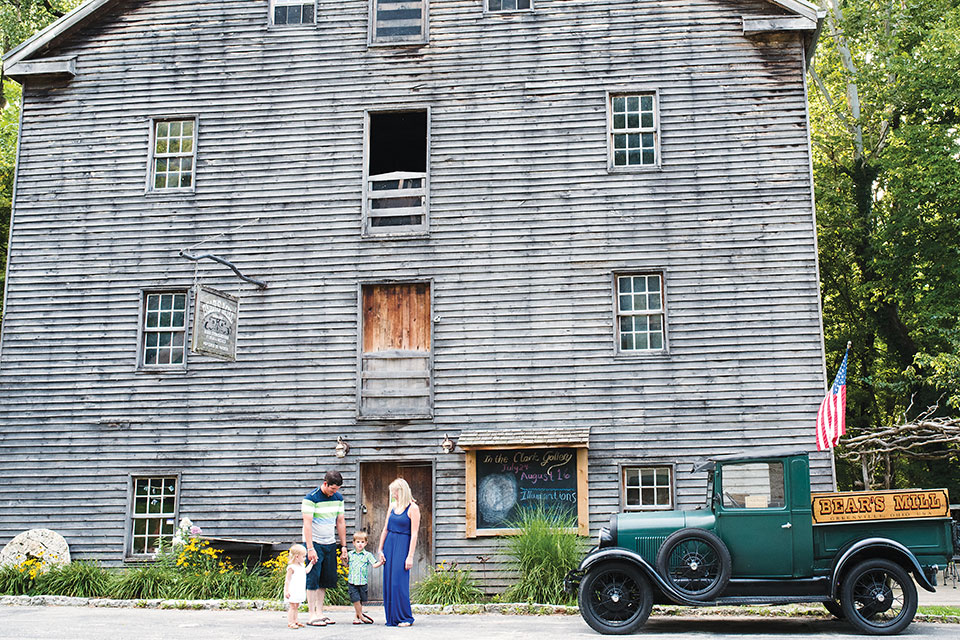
x: 447, y: 584
x: 939, y: 610
x: 77, y: 579
x: 542, y: 554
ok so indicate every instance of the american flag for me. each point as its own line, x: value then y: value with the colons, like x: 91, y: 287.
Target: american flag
x: 831, y: 422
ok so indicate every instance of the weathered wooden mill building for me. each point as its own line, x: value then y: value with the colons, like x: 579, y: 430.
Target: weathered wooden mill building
x: 514, y: 250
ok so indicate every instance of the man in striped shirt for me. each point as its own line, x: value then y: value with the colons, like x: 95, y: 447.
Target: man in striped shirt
x: 323, y: 523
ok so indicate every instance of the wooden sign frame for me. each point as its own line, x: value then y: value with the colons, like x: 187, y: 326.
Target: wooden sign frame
x: 859, y: 506
x: 583, y: 502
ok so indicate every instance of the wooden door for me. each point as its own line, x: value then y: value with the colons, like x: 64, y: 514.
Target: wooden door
x: 375, y: 478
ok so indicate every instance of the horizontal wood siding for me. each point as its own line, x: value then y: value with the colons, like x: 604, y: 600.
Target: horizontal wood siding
x: 527, y: 227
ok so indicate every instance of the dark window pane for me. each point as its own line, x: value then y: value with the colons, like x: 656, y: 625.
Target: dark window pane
x: 618, y: 104
x: 633, y: 497
x: 647, y: 497
x: 626, y: 341
x: 619, y: 158
x: 633, y: 103
x: 646, y: 120
x: 635, y: 157
x: 624, y: 283
x: 663, y: 496
x: 495, y: 5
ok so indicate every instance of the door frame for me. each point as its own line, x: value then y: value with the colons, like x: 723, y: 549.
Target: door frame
x: 432, y: 462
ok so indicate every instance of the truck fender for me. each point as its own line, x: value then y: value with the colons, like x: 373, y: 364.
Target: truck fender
x: 878, y: 547
x: 618, y: 554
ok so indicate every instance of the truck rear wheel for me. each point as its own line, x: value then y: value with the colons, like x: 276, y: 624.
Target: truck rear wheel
x: 615, y: 598
x: 695, y: 562
x: 879, y: 597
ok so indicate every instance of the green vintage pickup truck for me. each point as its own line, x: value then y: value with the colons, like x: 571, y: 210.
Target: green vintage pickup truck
x: 764, y: 539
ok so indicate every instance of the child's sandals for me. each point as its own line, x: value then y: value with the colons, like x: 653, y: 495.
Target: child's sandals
x: 294, y: 625
x: 357, y: 621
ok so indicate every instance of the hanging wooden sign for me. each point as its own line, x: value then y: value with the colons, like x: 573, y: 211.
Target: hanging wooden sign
x: 215, y: 324
x: 880, y: 505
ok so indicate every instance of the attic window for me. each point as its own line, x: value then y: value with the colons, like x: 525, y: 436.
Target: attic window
x: 292, y: 12
x: 398, y: 22
x: 504, y: 6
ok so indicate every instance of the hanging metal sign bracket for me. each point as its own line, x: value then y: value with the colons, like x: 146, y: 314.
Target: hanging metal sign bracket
x: 209, y: 256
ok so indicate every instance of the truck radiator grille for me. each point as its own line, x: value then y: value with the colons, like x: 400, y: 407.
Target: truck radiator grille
x: 648, y: 547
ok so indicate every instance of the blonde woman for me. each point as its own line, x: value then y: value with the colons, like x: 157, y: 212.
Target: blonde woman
x: 397, y: 544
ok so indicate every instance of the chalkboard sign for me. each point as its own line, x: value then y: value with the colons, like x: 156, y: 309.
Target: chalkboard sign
x: 510, y: 480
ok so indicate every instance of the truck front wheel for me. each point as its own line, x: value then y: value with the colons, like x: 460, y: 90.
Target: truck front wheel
x: 615, y: 598
x: 879, y: 597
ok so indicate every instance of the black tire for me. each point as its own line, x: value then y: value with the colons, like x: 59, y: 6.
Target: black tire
x: 835, y: 609
x: 878, y: 597
x: 695, y: 562
x: 615, y: 598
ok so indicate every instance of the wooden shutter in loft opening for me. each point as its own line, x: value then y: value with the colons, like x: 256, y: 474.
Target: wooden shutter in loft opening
x: 395, y: 376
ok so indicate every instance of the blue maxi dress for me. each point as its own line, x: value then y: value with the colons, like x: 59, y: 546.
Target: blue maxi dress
x: 396, y: 578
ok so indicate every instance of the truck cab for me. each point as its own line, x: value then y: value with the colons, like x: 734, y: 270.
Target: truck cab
x: 763, y: 538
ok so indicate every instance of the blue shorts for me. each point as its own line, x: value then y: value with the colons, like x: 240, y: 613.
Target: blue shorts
x: 357, y: 592
x: 324, y: 573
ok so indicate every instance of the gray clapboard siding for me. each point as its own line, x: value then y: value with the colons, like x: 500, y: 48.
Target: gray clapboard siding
x: 526, y: 228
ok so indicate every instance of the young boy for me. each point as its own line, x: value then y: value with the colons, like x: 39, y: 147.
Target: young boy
x: 360, y: 563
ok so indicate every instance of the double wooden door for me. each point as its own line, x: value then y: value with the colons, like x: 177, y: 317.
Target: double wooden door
x: 375, y: 478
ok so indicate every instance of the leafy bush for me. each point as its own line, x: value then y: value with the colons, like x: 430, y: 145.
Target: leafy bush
x: 14, y: 581
x: 542, y: 554
x: 447, y: 584
x: 147, y: 582
x: 77, y: 579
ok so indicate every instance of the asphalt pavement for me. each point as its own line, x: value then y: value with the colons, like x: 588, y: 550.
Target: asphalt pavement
x: 100, y: 623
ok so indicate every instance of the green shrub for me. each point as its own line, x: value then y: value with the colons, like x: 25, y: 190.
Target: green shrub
x: 542, y: 554
x: 447, y: 584
x: 147, y: 582
x: 78, y: 579
x: 14, y: 581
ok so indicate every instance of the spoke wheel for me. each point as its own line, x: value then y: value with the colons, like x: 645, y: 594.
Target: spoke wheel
x: 834, y: 608
x: 615, y: 598
x: 879, y: 597
x: 695, y: 562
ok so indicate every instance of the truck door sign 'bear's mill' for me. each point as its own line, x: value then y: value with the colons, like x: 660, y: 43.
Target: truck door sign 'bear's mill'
x: 215, y: 326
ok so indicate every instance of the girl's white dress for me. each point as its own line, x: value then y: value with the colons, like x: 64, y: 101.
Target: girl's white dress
x: 298, y: 585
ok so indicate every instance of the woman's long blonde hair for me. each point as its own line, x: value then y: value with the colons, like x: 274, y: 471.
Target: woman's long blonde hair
x: 404, y: 495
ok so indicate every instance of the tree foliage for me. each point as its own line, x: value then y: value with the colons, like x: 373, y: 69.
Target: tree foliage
x: 885, y: 113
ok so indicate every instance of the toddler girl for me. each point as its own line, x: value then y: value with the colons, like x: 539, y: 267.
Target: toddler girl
x: 295, y: 584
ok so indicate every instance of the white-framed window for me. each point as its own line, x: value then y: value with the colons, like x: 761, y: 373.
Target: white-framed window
x: 163, y: 330
x: 647, y: 487
x: 396, y: 179
x: 173, y: 154
x: 154, y: 502
x: 398, y: 22
x: 504, y: 6
x: 640, y: 312
x: 292, y: 12
x: 634, y: 124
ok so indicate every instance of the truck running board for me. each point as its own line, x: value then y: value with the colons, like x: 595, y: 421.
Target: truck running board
x: 742, y: 600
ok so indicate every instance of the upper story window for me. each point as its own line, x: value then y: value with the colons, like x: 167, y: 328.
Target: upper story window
x: 395, y: 193
x: 153, y: 514
x: 164, y: 329
x: 502, y: 6
x: 633, y: 130
x: 647, y: 487
x: 292, y: 11
x: 398, y: 21
x: 396, y: 364
x: 640, y: 312
x: 173, y: 154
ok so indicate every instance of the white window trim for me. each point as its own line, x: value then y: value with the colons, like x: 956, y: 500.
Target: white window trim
x: 372, y: 28
x: 301, y: 25
x: 508, y: 12
x: 141, y: 333
x: 611, y: 94
x: 151, y: 177
x: 647, y: 465
x: 420, y: 231
x: 129, y: 518
x: 640, y: 353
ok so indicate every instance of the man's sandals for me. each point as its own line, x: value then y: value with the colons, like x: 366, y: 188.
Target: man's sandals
x: 321, y: 622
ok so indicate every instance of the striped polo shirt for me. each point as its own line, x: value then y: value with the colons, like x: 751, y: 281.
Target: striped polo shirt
x: 324, y: 511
